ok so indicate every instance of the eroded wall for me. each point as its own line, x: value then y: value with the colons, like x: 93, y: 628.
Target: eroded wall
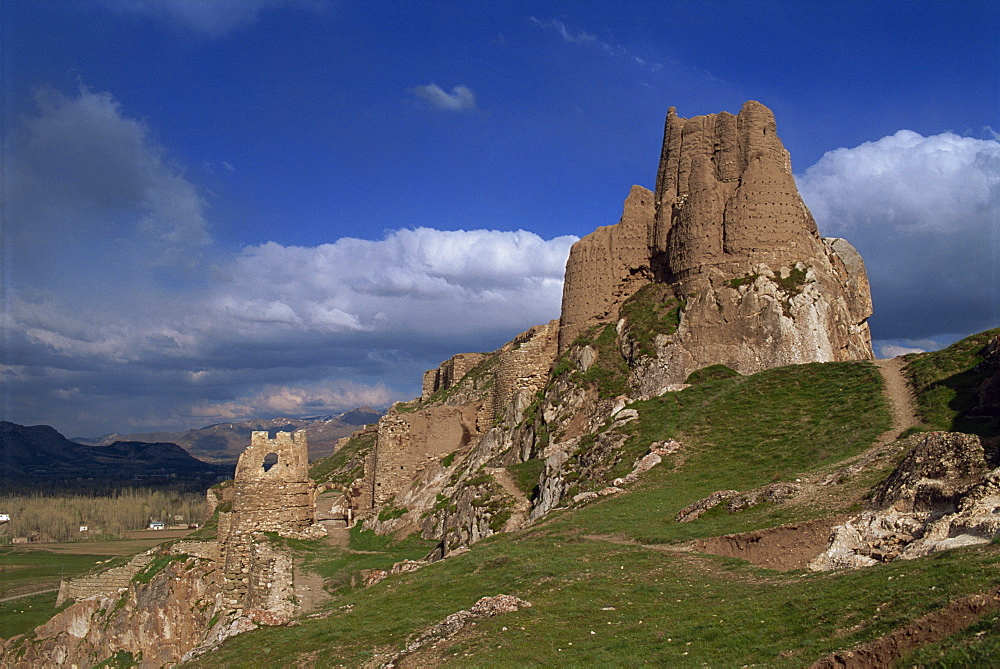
x: 606, y: 267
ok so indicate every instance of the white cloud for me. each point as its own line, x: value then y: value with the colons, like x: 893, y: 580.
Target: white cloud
x: 925, y: 214
x: 892, y: 350
x: 299, y: 400
x: 461, y: 98
x: 569, y: 36
x: 421, y: 280
x: 582, y: 37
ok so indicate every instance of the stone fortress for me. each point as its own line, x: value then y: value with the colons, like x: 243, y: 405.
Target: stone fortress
x: 725, y: 232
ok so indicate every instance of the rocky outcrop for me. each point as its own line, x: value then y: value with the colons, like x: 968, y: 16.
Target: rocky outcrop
x: 154, y: 621
x: 732, y: 244
x: 185, y: 597
x: 989, y: 389
x: 942, y: 495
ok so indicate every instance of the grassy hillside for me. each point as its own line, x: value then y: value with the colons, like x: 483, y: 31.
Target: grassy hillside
x: 946, y: 385
x: 612, y: 583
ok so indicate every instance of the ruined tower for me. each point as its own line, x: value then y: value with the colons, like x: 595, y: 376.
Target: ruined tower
x: 272, y: 492
x: 728, y: 234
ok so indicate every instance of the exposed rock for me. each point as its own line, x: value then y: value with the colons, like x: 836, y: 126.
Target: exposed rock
x: 486, y: 607
x: 989, y: 390
x: 775, y: 493
x: 941, y: 496
x: 161, y: 620
x: 692, y: 511
x: 933, y: 475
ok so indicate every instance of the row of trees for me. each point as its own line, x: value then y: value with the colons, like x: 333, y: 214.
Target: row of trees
x: 60, y: 517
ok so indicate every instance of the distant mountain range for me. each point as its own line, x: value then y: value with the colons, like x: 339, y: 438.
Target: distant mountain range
x: 39, y: 453
x: 222, y: 443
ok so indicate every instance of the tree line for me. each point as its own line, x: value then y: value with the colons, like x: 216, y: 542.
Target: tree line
x: 60, y: 517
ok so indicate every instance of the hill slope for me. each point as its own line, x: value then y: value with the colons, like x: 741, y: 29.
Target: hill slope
x: 619, y: 581
x: 39, y: 453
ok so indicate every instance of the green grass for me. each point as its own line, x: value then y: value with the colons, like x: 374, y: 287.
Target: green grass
x: 602, y: 604
x: 20, y: 616
x: 609, y: 373
x: 606, y: 591
x: 978, y: 645
x: 347, y: 463
x: 711, y: 373
x: 650, y: 311
x: 740, y: 433
x: 26, y: 570
x: 666, y: 608
x: 946, y: 386
x: 366, y: 550
x: 526, y: 475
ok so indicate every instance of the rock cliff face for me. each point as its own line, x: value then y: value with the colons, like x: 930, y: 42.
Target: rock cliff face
x: 723, y: 264
x: 185, y: 597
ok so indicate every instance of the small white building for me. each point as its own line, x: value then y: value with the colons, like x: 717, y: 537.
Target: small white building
x: 157, y: 525
x: 4, y: 517
x: 84, y: 528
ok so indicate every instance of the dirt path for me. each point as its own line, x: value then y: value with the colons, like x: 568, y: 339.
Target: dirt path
x: 886, y: 650
x: 28, y: 594
x: 897, y: 390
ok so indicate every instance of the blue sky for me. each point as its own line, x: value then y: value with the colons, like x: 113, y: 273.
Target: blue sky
x: 239, y: 208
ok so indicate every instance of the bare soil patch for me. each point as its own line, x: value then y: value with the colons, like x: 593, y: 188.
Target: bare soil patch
x: 883, y: 652
x: 783, y: 548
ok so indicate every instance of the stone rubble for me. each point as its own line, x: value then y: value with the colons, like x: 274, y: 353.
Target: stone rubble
x: 942, y: 495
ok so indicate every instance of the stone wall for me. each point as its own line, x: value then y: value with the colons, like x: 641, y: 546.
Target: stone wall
x: 278, y: 499
x: 449, y: 373
x: 409, y: 442
x: 524, y: 367
x: 606, y: 267
x: 105, y: 583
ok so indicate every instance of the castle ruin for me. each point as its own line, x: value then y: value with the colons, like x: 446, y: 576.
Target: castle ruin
x: 271, y: 492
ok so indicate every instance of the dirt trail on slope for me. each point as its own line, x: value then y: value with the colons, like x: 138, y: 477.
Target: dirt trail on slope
x: 885, y: 651
x: 901, y: 401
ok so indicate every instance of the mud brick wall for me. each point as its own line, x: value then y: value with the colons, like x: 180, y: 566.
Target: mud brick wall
x: 524, y: 364
x: 409, y: 442
x: 606, y: 267
x: 449, y: 372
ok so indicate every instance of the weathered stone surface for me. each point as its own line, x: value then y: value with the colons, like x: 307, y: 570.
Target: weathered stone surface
x: 941, y: 496
x: 410, y: 442
x: 606, y: 267
x: 450, y: 372
x: 160, y: 620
